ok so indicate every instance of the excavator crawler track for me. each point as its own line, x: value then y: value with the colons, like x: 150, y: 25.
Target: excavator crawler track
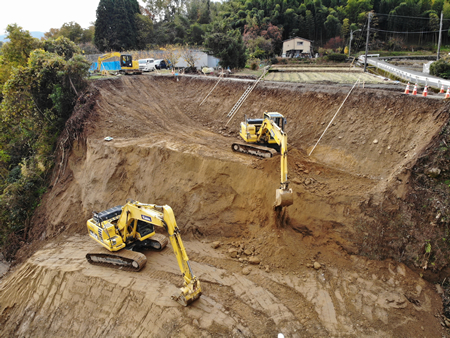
x: 255, y: 150
x: 158, y: 241
x: 122, y: 260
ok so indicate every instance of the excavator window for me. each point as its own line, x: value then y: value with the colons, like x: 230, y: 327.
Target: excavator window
x: 144, y: 228
x: 281, y: 122
x: 126, y: 60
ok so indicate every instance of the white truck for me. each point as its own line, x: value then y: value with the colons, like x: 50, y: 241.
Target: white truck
x: 147, y: 65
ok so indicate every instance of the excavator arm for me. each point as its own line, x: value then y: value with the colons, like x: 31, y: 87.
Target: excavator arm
x: 163, y: 216
x: 105, y: 57
x: 270, y: 130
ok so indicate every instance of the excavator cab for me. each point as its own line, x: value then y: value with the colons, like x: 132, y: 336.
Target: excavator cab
x: 279, y: 119
x: 126, y: 60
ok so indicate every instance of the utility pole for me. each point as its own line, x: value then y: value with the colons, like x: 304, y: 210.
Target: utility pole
x: 440, y: 34
x: 367, y: 42
x: 351, y: 38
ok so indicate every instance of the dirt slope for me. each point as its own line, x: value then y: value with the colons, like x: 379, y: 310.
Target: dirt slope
x: 166, y: 149
x: 57, y: 293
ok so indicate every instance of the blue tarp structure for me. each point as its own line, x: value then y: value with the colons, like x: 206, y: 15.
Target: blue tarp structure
x: 111, y: 65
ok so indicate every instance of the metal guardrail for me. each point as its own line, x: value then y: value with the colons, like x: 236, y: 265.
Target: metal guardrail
x: 405, y: 75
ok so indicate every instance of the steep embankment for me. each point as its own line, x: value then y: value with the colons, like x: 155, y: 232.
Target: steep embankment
x: 166, y: 149
x: 169, y: 150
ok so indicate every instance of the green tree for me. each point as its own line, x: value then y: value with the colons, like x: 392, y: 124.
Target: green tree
x: 228, y: 47
x: 332, y: 26
x: 15, y: 52
x: 345, y: 28
x: 116, y: 27
x: 195, y: 34
x: 72, y: 31
x: 38, y: 98
x: 144, y: 27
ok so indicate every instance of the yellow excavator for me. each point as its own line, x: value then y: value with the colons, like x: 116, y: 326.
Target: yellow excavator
x: 127, y: 65
x: 122, y: 230
x: 264, y: 138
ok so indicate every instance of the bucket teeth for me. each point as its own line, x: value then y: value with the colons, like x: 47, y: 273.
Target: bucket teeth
x: 188, y: 294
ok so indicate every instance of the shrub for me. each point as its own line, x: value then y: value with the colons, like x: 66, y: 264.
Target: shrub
x: 254, y: 63
x: 254, y: 66
x: 337, y: 57
x: 440, y: 68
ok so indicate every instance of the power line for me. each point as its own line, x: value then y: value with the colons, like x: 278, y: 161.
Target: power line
x: 409, y: 17
x: 421, y: 32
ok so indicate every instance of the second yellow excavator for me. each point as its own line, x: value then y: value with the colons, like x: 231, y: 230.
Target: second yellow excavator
x: 123, y: 229
x: 264, y: 138
x: 127, y: 64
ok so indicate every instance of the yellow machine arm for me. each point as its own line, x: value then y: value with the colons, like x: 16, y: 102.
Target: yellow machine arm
x: 269, y: 127
x: 270, y: 130
x: 162, y: 216
x: 105, y: 57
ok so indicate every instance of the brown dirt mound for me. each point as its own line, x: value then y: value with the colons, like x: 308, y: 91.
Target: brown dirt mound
x: 166, y: 149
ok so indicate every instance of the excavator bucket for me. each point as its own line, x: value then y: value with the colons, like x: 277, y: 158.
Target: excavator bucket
x: 284, y: 198
x: 188, y: 294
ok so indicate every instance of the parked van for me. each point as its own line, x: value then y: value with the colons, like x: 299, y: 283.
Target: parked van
x: 147, y: 65
x: 160, y: 64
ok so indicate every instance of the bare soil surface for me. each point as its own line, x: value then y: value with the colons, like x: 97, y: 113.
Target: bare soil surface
x: 307, y: 280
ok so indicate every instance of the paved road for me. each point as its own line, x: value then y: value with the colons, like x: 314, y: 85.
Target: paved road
x: 407, y: 74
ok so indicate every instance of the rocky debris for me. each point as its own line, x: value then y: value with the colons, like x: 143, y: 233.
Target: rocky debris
x: 317, y: 265
x: 296, y: 181
x: 433, y: 172
x: 446, y: 321
x: 233, y: 252
x: 395, y: 300
x: 246, y: 271
x: 375, y: 141
x: 215, y: 244
x: 254, y: 260
x: 248, y: 252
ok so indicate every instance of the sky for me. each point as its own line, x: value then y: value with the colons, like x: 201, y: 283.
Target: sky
x: 41, y: 15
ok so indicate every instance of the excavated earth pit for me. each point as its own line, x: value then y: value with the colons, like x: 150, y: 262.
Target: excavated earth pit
x: 169, y: 149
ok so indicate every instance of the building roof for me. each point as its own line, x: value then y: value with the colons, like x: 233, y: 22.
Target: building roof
x: 296, y: 37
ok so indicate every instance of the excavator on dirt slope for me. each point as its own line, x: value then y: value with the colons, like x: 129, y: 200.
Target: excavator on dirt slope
x: 123, y: 229
x: 127, y: 65
x: 268, y: 131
